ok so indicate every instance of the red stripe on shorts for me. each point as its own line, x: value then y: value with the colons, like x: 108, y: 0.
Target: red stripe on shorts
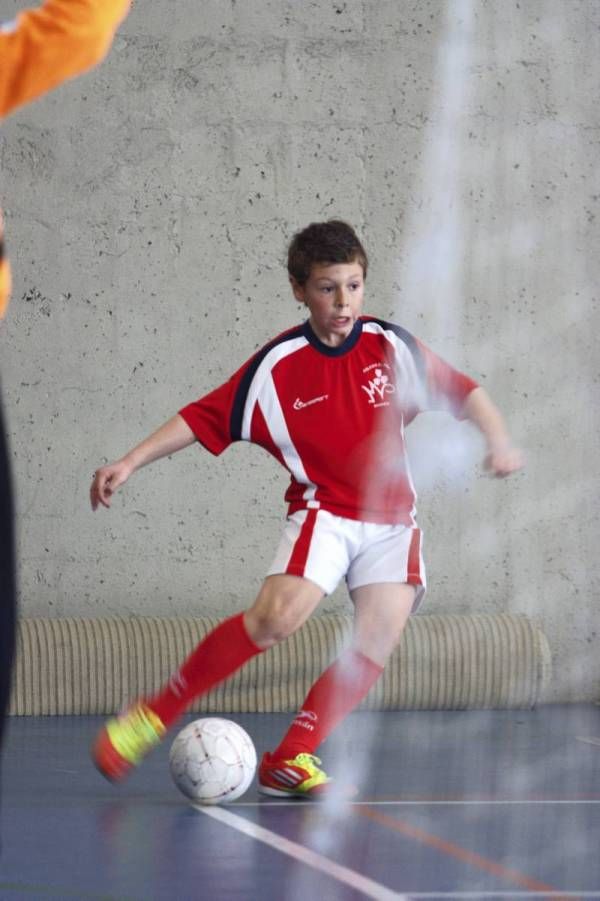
x: 299, y: 555
x: 413, y: 575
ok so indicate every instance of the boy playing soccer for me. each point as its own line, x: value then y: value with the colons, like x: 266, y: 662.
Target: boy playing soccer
x: 329, y: 399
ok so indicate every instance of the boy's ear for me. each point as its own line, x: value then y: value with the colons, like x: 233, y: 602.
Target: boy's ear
x: 298, y: 289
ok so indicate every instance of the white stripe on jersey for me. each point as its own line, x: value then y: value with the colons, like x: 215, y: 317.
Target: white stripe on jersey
x: 411, y: 381
x: 262, y: 391
x: 269, y: 361
x: 273, y: 414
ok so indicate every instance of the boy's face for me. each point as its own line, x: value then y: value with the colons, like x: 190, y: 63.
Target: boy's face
x: 333, y: 293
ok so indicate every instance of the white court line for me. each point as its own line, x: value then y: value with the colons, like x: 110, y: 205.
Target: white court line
x: 588, y: 741
x: 356, y: 881
x: 464, y: 803
x: 557, y: 894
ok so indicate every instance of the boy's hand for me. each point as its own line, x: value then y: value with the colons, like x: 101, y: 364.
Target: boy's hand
x: 502, y: 457
x: 106, y: 481
x: 171, y: 437
x: 503, y: 461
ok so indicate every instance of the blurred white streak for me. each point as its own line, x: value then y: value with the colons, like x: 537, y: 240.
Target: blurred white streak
x: 431, y: 274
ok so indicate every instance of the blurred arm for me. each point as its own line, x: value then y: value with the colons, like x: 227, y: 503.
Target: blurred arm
x: 502, y: 457
x: 56, y: 41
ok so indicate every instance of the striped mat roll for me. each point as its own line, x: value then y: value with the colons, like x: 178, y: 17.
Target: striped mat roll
x: 444, y: 662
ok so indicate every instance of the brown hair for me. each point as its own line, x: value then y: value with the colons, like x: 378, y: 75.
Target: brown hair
x: 324, y: 242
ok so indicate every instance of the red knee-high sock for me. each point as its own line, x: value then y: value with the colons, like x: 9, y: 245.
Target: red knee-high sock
x: 217, y: 656
x: 334, y: 695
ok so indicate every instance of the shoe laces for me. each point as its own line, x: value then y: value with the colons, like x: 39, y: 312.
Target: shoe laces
x: 310, y: 761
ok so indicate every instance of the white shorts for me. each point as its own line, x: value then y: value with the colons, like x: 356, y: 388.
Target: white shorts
x: 324, y: 548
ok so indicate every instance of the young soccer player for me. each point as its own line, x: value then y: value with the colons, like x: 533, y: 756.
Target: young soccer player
x: 329, y: 399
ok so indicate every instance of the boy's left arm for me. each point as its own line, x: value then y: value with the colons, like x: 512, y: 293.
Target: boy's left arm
x: 502, y: 457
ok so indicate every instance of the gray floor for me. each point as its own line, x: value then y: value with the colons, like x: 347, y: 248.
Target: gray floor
x: 502, y: 804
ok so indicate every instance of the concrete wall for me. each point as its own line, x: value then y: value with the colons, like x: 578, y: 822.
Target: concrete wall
x: 148, y: 209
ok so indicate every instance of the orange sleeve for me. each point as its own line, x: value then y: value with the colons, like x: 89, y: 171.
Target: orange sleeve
x: 45, y: 46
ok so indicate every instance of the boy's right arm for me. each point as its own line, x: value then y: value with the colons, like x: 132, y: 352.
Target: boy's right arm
x: 207, y: 420
x: 173, y: 436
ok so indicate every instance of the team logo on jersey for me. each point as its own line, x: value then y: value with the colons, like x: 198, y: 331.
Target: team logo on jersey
x: 379, y: 385
x: 301, y: 404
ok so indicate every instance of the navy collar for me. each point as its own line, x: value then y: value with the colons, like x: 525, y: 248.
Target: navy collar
x: 326, y: 349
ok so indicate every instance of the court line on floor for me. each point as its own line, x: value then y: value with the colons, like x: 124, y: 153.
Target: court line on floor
x: 588, y: 741
x: 568, y: 894
x: 354, y: 880
x: 450, y: 849
x: 424, y: 803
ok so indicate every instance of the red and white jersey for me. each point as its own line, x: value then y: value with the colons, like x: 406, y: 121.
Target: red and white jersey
x: 334, y: 416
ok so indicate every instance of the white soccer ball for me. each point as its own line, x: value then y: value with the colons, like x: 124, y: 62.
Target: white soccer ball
x: 212, y: 761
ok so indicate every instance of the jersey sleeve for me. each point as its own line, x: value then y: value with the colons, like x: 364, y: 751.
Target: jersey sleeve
x: 47, y: 45
x: 212, y: 418
x: 232, y: 411
x: 446, y: 387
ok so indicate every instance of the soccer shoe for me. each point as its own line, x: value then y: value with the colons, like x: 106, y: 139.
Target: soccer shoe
x: 124, y: 741
x: 300, y: 777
